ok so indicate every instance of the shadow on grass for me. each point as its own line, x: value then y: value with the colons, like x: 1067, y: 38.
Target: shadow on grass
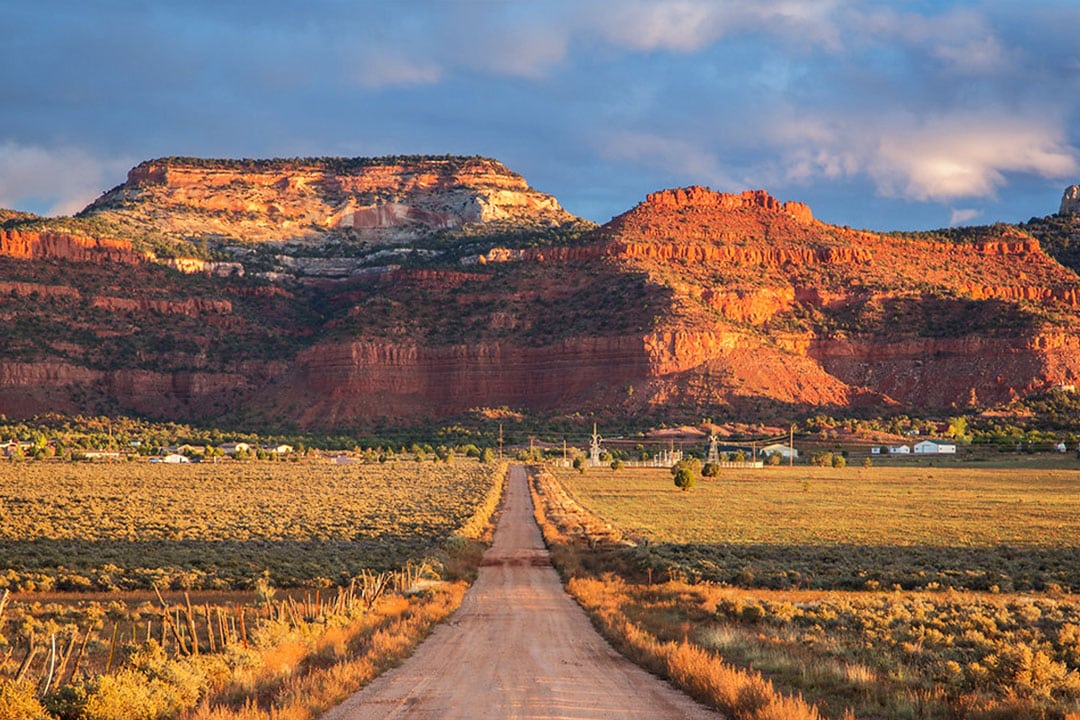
x: 854, y: 567
x: 45, y: 564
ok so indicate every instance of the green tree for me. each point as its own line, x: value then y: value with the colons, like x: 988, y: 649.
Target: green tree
x: 684, y: 479
x: 686, y: 472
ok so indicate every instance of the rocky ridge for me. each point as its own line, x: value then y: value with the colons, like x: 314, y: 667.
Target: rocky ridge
x: 697, y: 302
x: 378, y: 200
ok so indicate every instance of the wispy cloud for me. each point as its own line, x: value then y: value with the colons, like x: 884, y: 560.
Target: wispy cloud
x: 938, y: 159
x: 960, y: 216
x: 52, y: 181
x: 967, y: 155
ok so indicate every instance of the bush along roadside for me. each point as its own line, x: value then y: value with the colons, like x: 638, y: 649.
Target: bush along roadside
x: 585, y: 550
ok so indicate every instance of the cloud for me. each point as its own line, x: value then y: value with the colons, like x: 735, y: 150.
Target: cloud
x: 937, y: 159
x: 690, y: 25
x: 961, y: 40
x: 960, y: 216
x: 968, y: 156
x: 387, y: 68
x: 53, y: 181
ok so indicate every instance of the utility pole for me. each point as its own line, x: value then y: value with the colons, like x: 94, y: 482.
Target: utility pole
x: 791, y: 447
x: 500, y: 441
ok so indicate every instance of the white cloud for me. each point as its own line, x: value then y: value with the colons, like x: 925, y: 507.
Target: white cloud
x: 960, y: 216
x: 967, y: 156
x: 961, y: 40
x: 939, y: 159
x: 387, y: 68
x: 54, y: 181
x: 690, y: 25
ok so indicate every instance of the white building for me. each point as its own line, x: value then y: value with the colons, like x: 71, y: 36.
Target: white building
x: 784, y: 451
x: 176, y: 458
x: 935, y: 447
x: 899, y: 450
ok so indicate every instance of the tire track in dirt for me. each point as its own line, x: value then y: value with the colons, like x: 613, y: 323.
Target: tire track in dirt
x: 518, y: 647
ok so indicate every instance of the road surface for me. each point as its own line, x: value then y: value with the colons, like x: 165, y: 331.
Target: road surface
x: 518, y: 647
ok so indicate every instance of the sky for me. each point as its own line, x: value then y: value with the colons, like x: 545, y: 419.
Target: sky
x: 881, y: 115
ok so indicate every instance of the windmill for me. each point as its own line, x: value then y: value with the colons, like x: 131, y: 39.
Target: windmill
x: 594, y: 448
x: 714, y: 455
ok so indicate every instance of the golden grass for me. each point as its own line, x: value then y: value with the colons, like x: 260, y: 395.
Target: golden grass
x: 897, y: 654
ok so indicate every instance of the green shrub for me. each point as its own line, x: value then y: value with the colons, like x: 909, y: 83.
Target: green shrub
x: 684, y: 478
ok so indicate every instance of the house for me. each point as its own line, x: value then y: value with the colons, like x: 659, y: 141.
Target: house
x: 899, y: 450
x: 875, y: 449
x: 100, y: 455
x: 175, y: 458
x: 233, y: 448
x: 781, y: 449
x: 281, y: 449
x: 935, y: 447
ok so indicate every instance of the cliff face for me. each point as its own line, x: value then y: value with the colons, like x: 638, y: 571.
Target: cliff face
x: 693, y: 303
x: 376, y: 200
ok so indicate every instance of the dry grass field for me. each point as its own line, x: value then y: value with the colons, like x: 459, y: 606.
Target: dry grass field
x: 982, y: 528
x: 899, y: 592
x: 220, y: 526
x: 283, y: 587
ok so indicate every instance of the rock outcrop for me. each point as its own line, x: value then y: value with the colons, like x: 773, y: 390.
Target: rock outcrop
x: 1070, y: 201
x: 389, y: 200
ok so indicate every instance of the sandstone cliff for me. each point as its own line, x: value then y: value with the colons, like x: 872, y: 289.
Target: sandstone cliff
x: 380, y: 200
x: 694, y: 303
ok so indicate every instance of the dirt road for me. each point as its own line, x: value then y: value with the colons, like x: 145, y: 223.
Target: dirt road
x: 518, y: 647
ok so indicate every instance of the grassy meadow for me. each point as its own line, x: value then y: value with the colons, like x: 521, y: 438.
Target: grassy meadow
x: 898, y: 592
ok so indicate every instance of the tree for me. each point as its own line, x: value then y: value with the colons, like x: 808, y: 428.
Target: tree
x: 710, y: 470
x: 686, y: 472
x: 684, y: 479
x: 487, y: 455
x: 838, y: 460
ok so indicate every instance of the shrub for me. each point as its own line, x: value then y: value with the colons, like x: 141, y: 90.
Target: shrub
x: 18, y: 702
x: 710, y: 470
x: 839, y: 461
x: 684, y: 478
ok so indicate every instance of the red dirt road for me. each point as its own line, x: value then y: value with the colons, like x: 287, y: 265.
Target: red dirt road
x: 518, y: 647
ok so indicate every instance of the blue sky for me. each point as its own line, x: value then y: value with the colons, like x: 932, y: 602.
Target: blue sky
x: 900, y: 115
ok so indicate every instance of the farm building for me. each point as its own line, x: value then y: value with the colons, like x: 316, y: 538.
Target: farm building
x: 899, y: 450
x: 785, y: 451
x: 233, y: 448
x: 175, y: 458
x: 935, y: 447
